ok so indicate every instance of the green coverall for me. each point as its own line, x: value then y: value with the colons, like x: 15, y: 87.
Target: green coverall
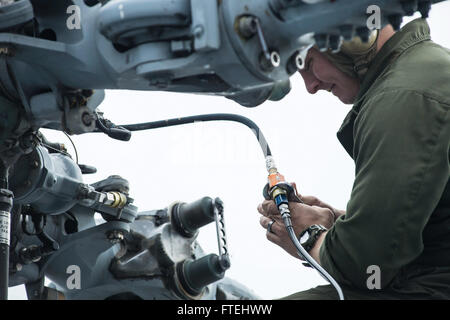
x: 398, y: 216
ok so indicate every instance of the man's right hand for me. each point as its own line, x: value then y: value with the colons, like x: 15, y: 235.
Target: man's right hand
x: 313, y: 201
x: 303, y: 215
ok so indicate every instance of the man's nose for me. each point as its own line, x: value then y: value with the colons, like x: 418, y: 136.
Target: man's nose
x: 313, y: 85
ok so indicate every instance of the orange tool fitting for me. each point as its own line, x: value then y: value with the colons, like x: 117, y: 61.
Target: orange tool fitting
x: 275, y: 178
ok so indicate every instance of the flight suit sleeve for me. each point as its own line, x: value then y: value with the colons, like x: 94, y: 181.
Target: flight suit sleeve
x: 401, y: 152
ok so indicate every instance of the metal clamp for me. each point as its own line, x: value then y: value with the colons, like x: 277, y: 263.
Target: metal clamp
x: 248, y: 26
x: 221, y: 233
x: 300, y: 59
x: 268, y: 60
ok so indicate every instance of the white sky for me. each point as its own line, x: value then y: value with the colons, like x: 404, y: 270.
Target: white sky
x: 223, y: 159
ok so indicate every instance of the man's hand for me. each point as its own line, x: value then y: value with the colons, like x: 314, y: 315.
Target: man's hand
x: 303, y: 216
x: 313, y: 201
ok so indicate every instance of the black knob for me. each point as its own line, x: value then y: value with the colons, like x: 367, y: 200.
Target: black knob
x: 335, y: 43
x: 396, y: 21
x: 120, y: 133
x: 195, y: 275
x: 91, y: 3
x: 424, y: 8
x: 322, y: 41
x: 187, y: 218
x: 363, y: 33
x: 347, y: 31
x: 409, y: 6
x: 85, y: 169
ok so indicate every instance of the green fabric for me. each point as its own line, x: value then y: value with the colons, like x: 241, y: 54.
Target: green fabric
x: 398, y: 216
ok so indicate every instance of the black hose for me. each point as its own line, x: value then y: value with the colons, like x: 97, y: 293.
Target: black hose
x: 305, y: 255
x: 204, y: 117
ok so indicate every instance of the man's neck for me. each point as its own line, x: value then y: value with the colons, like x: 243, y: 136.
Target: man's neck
x: 385, y: 34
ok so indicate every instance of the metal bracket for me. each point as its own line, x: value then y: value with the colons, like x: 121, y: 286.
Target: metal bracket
x: 205, y: 25
x: 221, y: 233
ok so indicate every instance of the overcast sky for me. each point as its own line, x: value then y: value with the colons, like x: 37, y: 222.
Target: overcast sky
x: 224, y: 160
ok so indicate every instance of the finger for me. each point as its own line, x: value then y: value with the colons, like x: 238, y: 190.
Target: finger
x: 277, y: 226
x: 269, y: 208
x: 310, y: 200
x: 260, y: 208
x: 267, y: 219
x: 294, y: 185
x: 264, y: 221
x: 272, y: 237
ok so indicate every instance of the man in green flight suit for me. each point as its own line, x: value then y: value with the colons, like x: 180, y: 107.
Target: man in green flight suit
x: 397, y: 222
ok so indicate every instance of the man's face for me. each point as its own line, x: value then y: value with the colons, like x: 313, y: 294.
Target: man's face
x: 321, y: 74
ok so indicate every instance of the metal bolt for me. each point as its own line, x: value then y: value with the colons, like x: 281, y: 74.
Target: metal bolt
x: 248, y: 26
x: 293, y: 63
x: 51, y: 181
x: 270, y: 62
x: 87, y: 118
x: 35, y: 164
x: 5, y: 50
x: 299, y: 62
x: 198, y: 31
x: 322, y: 41
x: 275, y: 59
x: 115, y: 236
x: 30, y: 254
x: 348, y: 32
x: 335, y: 43
x: 160, y: 83
x: 396, y: 21
x: 409, y: 7
x: 424, y: 8
x: 363, y: 33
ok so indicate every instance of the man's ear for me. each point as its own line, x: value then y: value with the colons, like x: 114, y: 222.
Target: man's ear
x: 358, y: 47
